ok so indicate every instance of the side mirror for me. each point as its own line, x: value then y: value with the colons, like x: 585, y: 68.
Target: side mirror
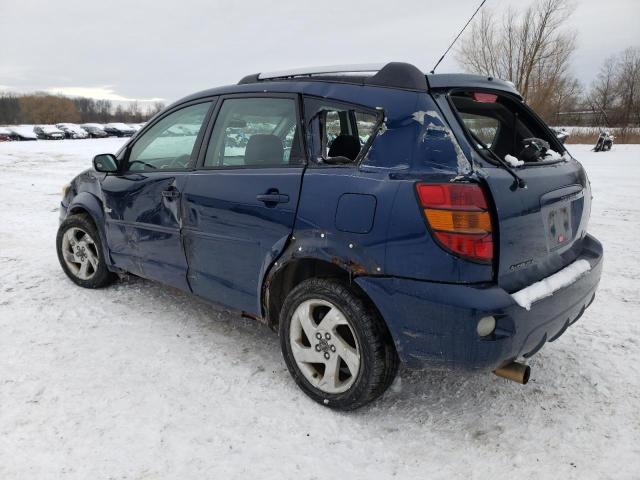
x: 105, y: 163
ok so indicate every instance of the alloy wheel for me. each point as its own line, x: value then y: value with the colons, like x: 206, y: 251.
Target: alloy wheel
x: 80, y: 253
x: 324, y: 346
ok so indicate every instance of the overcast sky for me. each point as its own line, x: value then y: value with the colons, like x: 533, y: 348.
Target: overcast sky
x: 144, y: 49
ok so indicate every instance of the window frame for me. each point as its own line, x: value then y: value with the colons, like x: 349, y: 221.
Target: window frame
x: 345, y: 105
x: 200, y: 166
x: 124, y: 155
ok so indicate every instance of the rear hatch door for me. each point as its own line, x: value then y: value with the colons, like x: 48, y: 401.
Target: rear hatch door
x: 540, y: 227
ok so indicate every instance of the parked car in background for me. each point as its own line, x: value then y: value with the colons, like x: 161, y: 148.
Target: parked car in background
x: 48, y: 132
x: 23, y: 132
x: 7, y: 135
x: 136, y: 126
x: 119, y: 130
x: 444, y: 225
x: 95, y: 130
x: 73, y: 131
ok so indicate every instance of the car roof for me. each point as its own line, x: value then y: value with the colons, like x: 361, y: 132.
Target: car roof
x: 395, y: 75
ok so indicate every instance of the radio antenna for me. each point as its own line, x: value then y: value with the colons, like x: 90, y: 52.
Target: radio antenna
x: 456, y: 39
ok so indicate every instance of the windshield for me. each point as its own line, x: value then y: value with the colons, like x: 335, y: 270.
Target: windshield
x: 506, y: 127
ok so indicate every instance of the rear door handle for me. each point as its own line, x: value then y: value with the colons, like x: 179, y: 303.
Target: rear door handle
x: 171, y: 193
x: 272, y: 198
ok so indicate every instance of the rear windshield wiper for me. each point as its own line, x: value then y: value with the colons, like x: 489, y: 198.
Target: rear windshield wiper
x: 518, y: 181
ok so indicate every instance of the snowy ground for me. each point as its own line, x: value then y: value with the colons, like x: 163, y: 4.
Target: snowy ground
x: 139, y: 381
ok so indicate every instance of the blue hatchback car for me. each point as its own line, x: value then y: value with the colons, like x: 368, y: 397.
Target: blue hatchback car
x: 370, y: 214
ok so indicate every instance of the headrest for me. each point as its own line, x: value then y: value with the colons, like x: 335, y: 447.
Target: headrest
x: 263, y: 150
x: 345, y: 146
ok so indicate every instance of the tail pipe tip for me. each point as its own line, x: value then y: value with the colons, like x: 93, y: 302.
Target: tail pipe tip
x: 514, y: 371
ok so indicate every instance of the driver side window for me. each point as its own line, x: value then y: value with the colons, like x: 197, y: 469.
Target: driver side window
x: 168, y: 144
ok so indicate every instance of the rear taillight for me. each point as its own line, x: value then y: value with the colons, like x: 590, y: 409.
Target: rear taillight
x: 459, y: 217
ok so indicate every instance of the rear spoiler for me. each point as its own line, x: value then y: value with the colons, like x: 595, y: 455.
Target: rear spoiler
x: 464, y: 80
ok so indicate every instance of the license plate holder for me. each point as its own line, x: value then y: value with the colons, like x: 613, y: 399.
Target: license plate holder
x: 559, y: 228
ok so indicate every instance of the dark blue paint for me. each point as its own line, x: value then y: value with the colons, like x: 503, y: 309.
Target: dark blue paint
x: 218, y: 240
x: 143, y: 226
x: 348, y: 203
x: 435, y: 323
x: 230, y: 236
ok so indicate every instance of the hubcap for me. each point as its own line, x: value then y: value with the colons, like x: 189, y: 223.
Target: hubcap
x: 324, y: 346
x: 80, y: 253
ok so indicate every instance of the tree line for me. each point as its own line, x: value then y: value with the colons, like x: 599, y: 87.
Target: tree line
x: 533, y: 48
x: 51, y: 109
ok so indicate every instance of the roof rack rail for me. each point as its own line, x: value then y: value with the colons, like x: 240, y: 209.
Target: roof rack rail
x: 392, y: 74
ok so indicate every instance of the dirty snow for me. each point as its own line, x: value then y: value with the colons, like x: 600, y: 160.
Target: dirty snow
x: 513, y: 161
x: 139, y: 381
x: 548, y: 286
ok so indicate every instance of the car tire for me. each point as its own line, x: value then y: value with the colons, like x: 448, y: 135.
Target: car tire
x: 80, y: 252
x: 345, y: 330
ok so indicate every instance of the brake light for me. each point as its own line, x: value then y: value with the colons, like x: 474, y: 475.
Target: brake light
x: 459, y: 217
x: 484, y: 97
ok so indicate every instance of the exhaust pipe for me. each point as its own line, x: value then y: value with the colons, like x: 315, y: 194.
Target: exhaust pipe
x: 514, y: 371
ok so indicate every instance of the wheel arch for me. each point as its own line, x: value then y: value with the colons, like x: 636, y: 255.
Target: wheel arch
x: 287, y: 274
x: 88, y: 204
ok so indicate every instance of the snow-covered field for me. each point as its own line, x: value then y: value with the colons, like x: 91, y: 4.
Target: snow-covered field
x: 139, y: 381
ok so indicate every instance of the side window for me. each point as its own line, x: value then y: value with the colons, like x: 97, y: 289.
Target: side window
x: 338, y: 130
x: 255, y: 132
x: 168, y: 144
x: 366, y: 123
x: 485, y: 128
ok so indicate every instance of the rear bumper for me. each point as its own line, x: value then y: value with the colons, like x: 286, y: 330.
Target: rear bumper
x: 434, y: 324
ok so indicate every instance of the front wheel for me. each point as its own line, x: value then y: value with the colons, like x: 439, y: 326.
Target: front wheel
x: 335, y: 344
x: 80, y: 252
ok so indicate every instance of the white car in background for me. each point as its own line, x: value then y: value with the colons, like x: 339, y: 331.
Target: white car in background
x: 23, y: 132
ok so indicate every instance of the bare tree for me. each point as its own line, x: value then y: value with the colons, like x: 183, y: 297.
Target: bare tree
x: 104, y: 109
x: 531, y: 48
x: 628, y: 86
x: 615, y: 93
x: 133, y: 112
x: 602, y: 94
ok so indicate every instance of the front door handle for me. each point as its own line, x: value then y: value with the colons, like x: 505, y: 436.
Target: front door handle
x: 171, y: 193
x: 272, y: 198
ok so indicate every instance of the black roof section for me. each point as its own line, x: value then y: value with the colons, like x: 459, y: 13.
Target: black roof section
x: 393, y: 75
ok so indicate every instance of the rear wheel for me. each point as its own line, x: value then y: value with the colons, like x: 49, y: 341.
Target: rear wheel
x: 80, y: 252
x: 335, y: 344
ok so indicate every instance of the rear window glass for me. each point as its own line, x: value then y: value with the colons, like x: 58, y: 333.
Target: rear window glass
x: 483, y: 127
x: 502, y: 126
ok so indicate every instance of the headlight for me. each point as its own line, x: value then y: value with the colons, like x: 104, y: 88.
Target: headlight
x: 65, y: 190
